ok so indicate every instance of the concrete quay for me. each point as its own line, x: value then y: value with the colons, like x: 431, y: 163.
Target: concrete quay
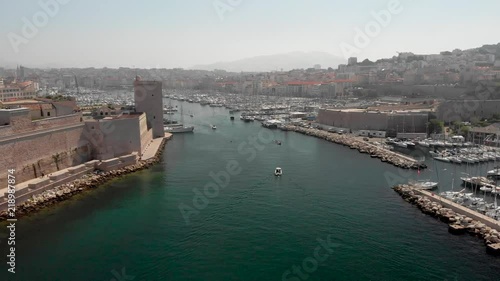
x: 459, y: 218
x: 391, y: 157
x: 38, y: 193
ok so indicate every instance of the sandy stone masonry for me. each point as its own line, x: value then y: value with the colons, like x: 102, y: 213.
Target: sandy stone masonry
x: 34, y: 148
x: 38, y: 193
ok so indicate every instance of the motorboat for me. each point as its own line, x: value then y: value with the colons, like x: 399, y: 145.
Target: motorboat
x: 427, y: 185
x: 424, y: 184
x: 401, y: 144
x: 494, y: 173
x: 214, y: 127
x: 409, y: 144
x: 443, y: 159
x: 486, y: 189
x: 278, y: 171
x: 248, y: 119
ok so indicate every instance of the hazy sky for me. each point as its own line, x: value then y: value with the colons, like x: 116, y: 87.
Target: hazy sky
x: 182, y: 33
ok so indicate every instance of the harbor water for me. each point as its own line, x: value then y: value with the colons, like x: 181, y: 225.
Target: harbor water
x: 158, y: 224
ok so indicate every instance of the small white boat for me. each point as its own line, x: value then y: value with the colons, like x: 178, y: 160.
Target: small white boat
x: 278, y: 171
x: 409, y: 144
x: 214, y: 127
x: 486, y: 189
x: 424, y: 184
x: 494, y: 172
x: 401, y: 144
x: 443, y: 159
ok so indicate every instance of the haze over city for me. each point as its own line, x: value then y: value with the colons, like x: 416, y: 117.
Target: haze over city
x: 169, y: 34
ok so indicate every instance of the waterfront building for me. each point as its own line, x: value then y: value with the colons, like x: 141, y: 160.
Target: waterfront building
x: 22, y: 90
x: 489, y: 135
x: 394, y: 123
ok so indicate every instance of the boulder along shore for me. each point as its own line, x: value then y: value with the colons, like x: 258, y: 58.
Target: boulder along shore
x: 457, y: 223
x: 375, y: 152
x: 89, y: 181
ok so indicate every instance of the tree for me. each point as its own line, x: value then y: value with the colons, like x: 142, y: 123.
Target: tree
x: 435, y: 126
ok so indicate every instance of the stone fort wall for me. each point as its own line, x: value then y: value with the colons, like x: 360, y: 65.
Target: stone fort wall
x: 45, y: 146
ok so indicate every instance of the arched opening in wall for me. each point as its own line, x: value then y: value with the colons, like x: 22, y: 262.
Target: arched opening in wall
x: 48, y: 113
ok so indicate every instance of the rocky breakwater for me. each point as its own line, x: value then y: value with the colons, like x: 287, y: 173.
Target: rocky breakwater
x: 89, y: 181
x: 457, y: 223
x: 364, y: 147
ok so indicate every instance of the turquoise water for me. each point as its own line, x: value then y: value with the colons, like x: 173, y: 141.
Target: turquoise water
x: 255, y: 228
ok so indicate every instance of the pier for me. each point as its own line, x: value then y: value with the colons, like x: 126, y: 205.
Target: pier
x: 391, y: 157
x: 460, y: 219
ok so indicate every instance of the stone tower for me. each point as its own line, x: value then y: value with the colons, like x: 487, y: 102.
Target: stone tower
x: 149, y: 99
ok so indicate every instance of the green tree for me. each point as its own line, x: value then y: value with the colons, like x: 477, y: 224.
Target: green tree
x: 435, y: 126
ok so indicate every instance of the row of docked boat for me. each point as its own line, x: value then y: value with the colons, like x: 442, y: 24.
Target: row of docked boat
x: 472, y: 202
x: 466, y: 155
x: 437, y: 143
x: 400, y: 143
x: 483, y: 183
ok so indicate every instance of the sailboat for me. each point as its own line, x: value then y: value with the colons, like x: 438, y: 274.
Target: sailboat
x: 179, y: 128
x: 426, y: 184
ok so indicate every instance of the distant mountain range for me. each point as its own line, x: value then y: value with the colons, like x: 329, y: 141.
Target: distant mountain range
x: 286, y: 61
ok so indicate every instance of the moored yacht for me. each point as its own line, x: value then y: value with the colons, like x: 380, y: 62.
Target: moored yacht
x: 178, y: 128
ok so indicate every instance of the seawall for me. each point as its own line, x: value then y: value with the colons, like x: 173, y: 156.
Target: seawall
x: 459, y: 218
x: 85, y: 182
x: 396, y: 159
